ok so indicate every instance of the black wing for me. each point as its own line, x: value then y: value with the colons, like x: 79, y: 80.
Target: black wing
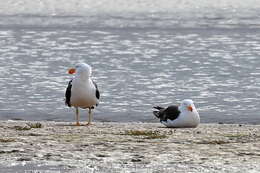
x: 68, y: 93
x: 171, y: 112
x: 97, y: 91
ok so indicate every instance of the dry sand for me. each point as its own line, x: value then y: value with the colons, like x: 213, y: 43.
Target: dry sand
x: 128, y: 147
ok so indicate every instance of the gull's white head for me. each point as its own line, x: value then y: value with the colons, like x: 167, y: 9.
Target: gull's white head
x: 187, y: 105
x: 81, y: 69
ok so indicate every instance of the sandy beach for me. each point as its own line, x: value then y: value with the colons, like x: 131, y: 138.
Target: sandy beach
x: 127, y: 147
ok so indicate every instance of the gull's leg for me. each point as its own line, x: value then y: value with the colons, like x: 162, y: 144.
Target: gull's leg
x: 77, y: 116
x: 89, y: 116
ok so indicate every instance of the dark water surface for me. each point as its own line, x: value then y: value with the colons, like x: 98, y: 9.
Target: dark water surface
x: 139, y: 60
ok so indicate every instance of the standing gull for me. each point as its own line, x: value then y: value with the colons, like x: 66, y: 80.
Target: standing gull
x: 82, y: 91
x: 184, y: 115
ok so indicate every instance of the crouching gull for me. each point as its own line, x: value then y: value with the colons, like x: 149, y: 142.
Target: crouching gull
x: 82, y: 91
x: 184, y: 115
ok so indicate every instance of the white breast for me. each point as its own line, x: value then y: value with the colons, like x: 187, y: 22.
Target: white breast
x: 83, y: 94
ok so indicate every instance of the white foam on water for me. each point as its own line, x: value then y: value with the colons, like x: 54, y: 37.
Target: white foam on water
x: 134, y: 13
x: 86, y: 7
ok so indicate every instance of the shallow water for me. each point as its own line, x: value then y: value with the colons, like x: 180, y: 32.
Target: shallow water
x: 138, y: 61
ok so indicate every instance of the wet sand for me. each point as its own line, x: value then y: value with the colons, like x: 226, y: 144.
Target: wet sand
x: 128, y: 147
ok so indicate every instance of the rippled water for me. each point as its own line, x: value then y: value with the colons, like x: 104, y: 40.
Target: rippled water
x: 138, y: 61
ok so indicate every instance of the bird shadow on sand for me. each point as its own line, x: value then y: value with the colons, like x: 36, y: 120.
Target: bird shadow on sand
x: 161, y: 127
x: 73, y: 125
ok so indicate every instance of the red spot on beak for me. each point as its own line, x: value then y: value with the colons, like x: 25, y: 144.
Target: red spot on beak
x: 190, y: 108
x: 72, y: 71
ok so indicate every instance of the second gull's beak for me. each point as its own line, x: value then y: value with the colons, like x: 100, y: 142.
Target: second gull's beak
x: 72, y: 71
x: 190, y: 108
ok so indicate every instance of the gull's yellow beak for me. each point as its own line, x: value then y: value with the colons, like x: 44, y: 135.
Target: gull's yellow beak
x: 189, y: 108
x: 72, y: 71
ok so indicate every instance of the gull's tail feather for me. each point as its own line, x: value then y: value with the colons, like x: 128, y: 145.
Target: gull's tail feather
x: 158, y: 107
x: 156, y: 113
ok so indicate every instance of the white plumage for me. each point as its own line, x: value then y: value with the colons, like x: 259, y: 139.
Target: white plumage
x: 82, y: 92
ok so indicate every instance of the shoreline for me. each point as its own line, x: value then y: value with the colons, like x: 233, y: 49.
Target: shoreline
x: 126, y: 147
